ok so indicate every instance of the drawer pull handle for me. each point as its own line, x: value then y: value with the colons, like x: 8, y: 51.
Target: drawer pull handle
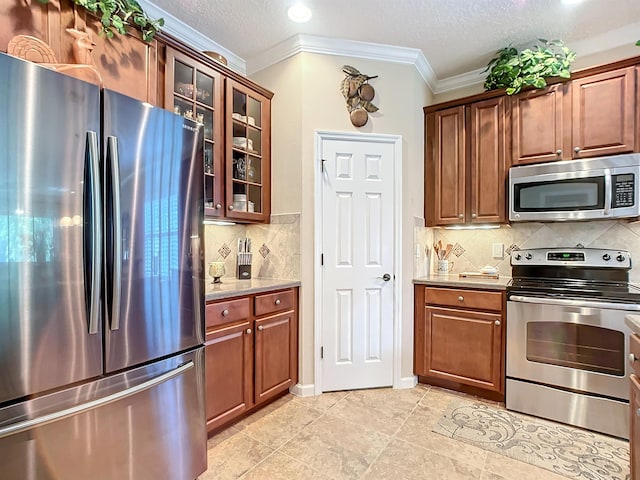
x: 277, y: 302
x: 225, y: 312
x: 260, y: 328
x: 248, y: 331
x: 632, y: 358
x: 461, y: 298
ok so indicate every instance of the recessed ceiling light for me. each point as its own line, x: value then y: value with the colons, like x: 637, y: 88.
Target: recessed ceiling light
x: 299, y: 13
x: 571, y: 2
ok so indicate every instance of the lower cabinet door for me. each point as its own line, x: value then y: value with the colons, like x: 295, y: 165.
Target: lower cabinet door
x: 276, y: 354
x: 229, y: 373
x: 634, y: 438
x: 464, y: 347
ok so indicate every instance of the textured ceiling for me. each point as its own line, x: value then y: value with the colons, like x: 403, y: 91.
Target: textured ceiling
x: 456, y: 36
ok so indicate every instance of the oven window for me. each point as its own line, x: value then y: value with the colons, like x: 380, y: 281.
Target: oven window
x: 560, y: 195
x: 573, y: 345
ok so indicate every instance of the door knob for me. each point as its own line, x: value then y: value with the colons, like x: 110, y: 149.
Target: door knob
x: 386, y: 277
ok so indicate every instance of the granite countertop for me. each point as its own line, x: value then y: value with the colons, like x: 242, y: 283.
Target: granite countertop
x: 231, y: 287
x: 453, y: 280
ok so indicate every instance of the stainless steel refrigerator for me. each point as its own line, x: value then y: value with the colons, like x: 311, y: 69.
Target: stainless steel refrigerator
x: 101, y: 283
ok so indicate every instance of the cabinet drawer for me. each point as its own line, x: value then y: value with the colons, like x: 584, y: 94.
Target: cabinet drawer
x: 459, y: 298
x: 274, y: 302
x: 226, y: 312
x: 634, y: 349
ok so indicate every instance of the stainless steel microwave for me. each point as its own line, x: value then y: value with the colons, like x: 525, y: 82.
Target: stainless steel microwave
x: 595, y: 188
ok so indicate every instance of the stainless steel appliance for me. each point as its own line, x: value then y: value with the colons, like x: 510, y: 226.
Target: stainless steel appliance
x: 596, y: 188
x: 101, y: 283
x: 567, y: 343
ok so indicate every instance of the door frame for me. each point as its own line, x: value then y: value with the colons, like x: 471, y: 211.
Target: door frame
x: 396, y: 141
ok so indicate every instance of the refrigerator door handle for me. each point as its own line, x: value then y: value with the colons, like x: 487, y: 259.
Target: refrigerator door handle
x: 25, y: 425
x: 112, y: 152
x: 96, y: 231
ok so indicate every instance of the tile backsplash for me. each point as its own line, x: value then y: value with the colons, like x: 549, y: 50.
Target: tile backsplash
x: 275, y: 247
x: 473, y: 248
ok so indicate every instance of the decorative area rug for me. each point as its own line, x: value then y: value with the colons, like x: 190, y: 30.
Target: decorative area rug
x: 564, y: 450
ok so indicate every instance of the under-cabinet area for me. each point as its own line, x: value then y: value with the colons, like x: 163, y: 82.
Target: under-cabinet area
x: 459, y: 338
x: 251, y: 351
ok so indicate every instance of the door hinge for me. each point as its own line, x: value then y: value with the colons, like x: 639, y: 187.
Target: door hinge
x: 322, y: 160
x: 322, y: 259
x: 321, y: 353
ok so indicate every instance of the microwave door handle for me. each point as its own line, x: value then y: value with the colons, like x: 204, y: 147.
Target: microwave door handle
x: 607, y: 191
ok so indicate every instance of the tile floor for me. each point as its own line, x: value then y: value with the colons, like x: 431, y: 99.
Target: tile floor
x: 361, y: 434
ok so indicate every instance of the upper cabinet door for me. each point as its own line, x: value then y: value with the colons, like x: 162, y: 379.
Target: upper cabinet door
x: 604, y: 109
x: 195, y: 90
x: 446, y: 169
x: 488, y: 161
x: 540, y: 123
x: 248, y: 158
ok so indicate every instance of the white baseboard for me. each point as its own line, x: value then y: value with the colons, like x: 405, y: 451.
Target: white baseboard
x: 407, y: 382
x: 303, y: 390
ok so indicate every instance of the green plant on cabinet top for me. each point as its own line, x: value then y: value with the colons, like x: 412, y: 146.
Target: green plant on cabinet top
x: 119, y: 14
x: 513, y: 70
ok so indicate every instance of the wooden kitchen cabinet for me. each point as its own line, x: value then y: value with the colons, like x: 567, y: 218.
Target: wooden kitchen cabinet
x: 196, y: 90
x: 465, y: 152
x: 540, y: 125
x: 237, y: 129
x: 251, y: 353
x: 459, y: 339
x: 591, y: 116
x: 248, y: 147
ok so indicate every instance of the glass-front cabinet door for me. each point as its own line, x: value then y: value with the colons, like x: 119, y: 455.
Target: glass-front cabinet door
x: 248, y: 145
x: 195, y: 91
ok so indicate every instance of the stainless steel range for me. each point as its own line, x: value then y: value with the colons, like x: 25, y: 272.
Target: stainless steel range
x: 567, y: 343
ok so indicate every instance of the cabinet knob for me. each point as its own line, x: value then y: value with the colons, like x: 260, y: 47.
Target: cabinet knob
x: 277, y: 302
x: 225, y: 312
x: 576, y: 149
x: 248, y: 332
x: 559, y: 153
x: 461, y: 298
x: 461, y: 215
x: 497, y: 323
x: 637, y: 412
x: 218, y: 206
x: 632, y: 358
x: 473, y: 215
x: 260, y: 328
x: 230, y: 207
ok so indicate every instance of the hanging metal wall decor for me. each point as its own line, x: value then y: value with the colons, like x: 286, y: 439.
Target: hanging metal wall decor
x: 358, y: 94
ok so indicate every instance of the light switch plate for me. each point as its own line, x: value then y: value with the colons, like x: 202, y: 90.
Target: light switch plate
x: 497, y: 250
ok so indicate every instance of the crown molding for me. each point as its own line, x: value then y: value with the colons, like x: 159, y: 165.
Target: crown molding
x: 347, y: 48
x: 192, y: 37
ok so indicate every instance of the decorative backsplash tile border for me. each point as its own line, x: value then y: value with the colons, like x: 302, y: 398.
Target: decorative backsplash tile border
x: 476, y: 245
x: 278, y: 241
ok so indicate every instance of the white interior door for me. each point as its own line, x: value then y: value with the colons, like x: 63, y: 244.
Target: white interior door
x: 358, y: 255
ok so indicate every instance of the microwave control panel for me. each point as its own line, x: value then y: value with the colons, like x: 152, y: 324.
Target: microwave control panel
x: 623, y: 190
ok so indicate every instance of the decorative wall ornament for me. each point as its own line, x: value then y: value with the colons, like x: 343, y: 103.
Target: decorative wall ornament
x: 358, y: 94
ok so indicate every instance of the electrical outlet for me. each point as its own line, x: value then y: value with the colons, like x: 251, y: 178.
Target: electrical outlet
x: 497, y: 250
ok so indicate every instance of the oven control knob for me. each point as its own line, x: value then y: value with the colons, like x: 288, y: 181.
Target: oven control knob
x: 528, y: 256
x: 621, y: 258
x: 606, y: 257
x: 517, y: 256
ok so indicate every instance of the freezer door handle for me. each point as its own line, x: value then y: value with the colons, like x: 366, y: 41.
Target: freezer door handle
x: 96, y: 231
x: 112, y: 154
x: 25, y: 425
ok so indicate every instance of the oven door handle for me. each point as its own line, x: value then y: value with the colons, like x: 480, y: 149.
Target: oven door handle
x: 576, y: 303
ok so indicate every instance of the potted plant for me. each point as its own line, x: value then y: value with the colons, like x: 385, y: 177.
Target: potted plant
x: 513, y: 70
x: 119, y: 14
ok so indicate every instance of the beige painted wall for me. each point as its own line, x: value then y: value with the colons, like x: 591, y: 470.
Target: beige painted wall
x: 307, y: 98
